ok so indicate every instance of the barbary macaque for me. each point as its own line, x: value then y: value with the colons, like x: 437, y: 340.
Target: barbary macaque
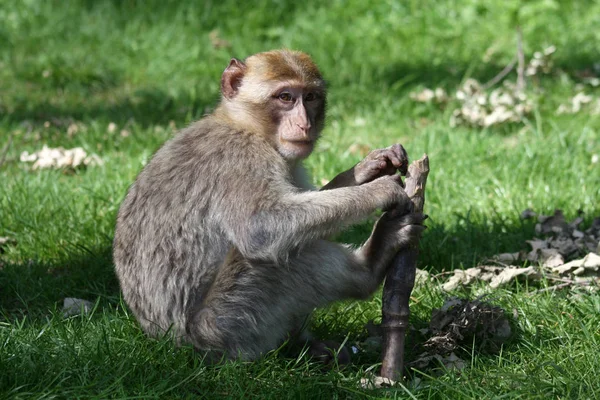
x: 221, y: 240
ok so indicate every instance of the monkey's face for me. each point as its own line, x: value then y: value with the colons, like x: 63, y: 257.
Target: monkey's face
x: 297, y: 112
x: 279, y: 94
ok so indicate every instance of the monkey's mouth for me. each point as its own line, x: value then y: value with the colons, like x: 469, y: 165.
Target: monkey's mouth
x: 300, y: 142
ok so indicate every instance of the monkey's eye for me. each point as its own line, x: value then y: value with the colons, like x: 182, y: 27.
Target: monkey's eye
x: 310, y: 97
x: 285, y: 96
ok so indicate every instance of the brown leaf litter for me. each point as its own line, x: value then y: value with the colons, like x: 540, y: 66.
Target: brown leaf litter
x: 60, y: 158
x: 476, y: 105
x: 558, y: 240
x: 458, y: 324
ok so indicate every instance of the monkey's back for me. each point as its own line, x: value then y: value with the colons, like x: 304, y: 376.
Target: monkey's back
x: 169, y: 238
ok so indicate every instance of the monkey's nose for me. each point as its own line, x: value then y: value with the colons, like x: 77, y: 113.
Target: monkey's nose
x: 303, y: 127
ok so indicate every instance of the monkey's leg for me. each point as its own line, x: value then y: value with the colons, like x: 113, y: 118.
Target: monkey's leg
x: 252, y: 306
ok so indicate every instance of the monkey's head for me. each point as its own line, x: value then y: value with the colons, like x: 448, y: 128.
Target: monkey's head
x: 279, y: 94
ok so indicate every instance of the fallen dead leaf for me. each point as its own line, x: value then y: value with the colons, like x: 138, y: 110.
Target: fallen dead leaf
x: 510, y: 273
x: 438, y: 95
x: 5, y: 242
x: 60, y: 158
x: 481, y: 107
x: 507, y: 257
x: 590, y: 262
x: 216, y: 41
x: 422, y: 277
x: 461, y: 278
x: 562, y: 241
x: 577, y: 103
x: 376, y: 382
x: 359, y: 149
x: 460, y: 323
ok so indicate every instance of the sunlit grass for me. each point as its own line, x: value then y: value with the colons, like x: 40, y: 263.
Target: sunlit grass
x: 150, y: 68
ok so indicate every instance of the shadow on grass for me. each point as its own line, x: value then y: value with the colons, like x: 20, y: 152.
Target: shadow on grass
x: 147, y: 107
x: 450, y: 75
x: 35, y: 287
x: 469, y: 240
x: 93, y: 96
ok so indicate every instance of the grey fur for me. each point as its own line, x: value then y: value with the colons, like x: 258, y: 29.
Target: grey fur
x: 219, y: 242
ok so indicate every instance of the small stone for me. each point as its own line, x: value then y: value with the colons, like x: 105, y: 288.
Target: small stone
x: 73, y: 306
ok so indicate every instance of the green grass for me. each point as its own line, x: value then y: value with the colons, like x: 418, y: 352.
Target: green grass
x: 149, y: 65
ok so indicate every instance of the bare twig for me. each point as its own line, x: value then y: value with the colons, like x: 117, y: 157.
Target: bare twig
x: 5, y: 150
x: 436, y: 276
x: 568, y: 283
x: 500, y: 75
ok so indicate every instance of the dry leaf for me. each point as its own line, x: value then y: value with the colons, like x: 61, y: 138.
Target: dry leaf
x: 459, y: 321
x: 376, y: 382
x: 60, y: 158
x: 564, y: 240
x: 577, y: 103
x: 480, y: 108
x: 5, y: 242
x: 72, y: 129
x: 590, y: 262
x: 461, y: 278
x: 553, y: 260
x: 216, y: 41
x: 360, y: 149
x: 510, y: 273
x: 438, y: 95
x: 422, y: 277
x: 506, y: 257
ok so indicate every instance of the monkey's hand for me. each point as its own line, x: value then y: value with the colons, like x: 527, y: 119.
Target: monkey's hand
x: 393, y: 195
x: 378, y: 163
x: 381, y: 162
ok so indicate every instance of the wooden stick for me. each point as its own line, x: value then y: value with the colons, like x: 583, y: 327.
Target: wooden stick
x: 400, y: 281
x: 500, y: 75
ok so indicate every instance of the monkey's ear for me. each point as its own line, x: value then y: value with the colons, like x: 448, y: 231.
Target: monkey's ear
x: 232, y: 77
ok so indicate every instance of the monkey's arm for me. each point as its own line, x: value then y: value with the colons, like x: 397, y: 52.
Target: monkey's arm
x: 377, y: 163
x: 276, y: 223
